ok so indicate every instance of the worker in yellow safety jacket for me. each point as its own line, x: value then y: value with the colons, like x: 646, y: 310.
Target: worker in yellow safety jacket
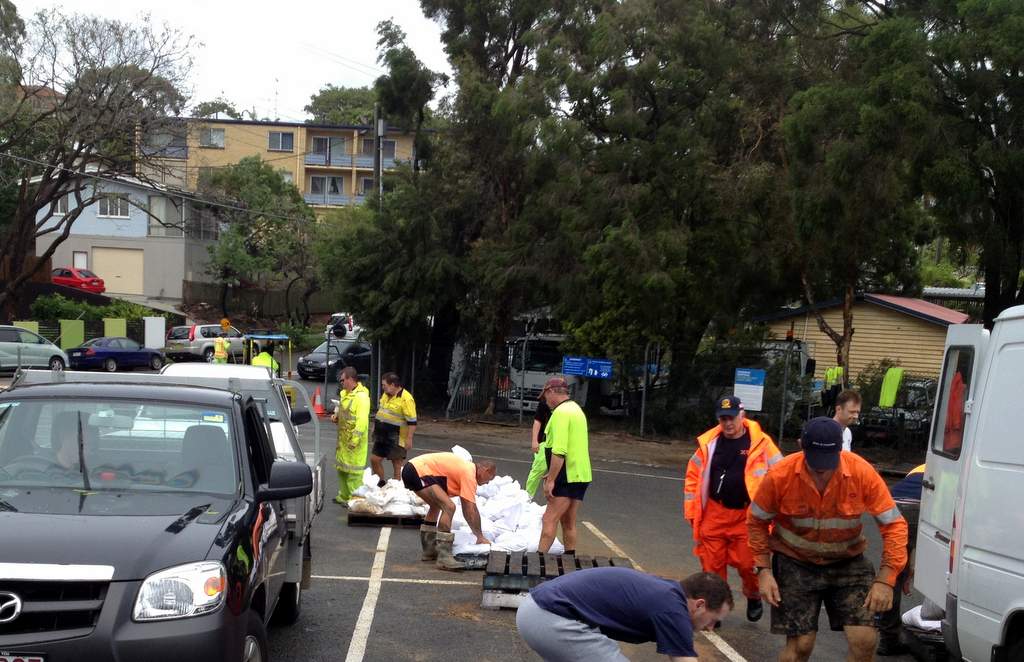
x: 353, y: 418
x: 266, y: 359
x: 220, y: 348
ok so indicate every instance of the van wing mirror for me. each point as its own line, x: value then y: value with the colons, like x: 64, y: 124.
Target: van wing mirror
x: 288, y: 480
x: 301, y: 417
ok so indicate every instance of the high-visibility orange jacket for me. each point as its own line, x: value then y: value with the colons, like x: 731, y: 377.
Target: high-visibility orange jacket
x: 762, y: 455
x: 825, y: 528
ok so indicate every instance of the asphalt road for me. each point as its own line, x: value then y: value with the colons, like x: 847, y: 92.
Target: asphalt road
x: 416, y: 612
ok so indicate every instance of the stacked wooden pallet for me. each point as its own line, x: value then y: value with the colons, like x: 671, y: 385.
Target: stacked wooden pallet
x: 401, y: 522
x: 509, y: 576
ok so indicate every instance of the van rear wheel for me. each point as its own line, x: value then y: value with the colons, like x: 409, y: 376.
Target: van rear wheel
x: 254, y: 646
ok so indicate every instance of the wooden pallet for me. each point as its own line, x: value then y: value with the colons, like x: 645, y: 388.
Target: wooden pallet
x: 398, y: 521
x: 510, y: 576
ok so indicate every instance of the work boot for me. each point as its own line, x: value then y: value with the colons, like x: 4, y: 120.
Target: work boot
x: 755, y: 609
x: 428, y: 541
x: 445, y: 558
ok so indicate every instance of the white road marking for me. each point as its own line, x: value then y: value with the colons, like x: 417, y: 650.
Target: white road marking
x: 397, y: 580
x: 715, y: 640
x: 357, y: 646
x: 603, y: 471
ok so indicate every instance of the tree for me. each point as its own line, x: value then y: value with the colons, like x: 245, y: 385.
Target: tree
x: 341, y: 105
x: 212, y: 109
x: 269, y: 239
x: 84, y: 89
x: 407, y: 88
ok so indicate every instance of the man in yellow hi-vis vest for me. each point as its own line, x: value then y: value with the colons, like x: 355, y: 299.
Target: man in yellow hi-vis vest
x: 353, y: 418
x: 266, y: 359
x: 220, y: 348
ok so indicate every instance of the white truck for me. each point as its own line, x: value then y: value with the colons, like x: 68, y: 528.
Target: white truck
x: 543, y: 360
x: 970, y: 541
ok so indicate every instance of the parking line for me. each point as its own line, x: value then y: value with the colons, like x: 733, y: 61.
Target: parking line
x: 715, y: 640
x: 397, y: 580
x: 603, y: 471
x: 357, y: 646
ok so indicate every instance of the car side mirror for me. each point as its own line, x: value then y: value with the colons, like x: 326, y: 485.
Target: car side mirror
x: 288, y: 480
x: 301, y: 417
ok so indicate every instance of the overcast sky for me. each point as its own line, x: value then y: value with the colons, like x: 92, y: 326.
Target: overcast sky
x: 274, y: 55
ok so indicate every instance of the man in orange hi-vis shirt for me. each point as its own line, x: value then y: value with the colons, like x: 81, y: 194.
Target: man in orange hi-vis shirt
x: 815, y: 499
x: 725, y: 471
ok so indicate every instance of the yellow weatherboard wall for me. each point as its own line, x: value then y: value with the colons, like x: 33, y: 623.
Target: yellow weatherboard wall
x: 879, y: 333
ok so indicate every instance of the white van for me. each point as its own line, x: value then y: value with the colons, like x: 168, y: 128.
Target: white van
x: 970, y: 540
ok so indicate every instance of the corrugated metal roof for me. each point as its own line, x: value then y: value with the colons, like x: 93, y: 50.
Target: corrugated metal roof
x: 976, y: 293
x: 925, y: 310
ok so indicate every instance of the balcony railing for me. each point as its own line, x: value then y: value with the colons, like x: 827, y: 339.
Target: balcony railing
x: 326, y: 199
x: 346, y: 161
x: 166, y: 152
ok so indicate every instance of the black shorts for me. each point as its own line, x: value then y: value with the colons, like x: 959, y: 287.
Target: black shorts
x: 386, y: 444
x: 563, y: 488
x: 804, y: 587
x: 413, y: 481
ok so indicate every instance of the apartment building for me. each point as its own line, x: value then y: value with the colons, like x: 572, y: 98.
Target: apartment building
x: 331, y: 165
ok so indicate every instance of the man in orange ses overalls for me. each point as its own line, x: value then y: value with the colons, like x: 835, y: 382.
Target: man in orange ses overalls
x: 723, y: 474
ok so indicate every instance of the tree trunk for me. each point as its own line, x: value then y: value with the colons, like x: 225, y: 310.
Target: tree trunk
x: 224, y: 299
x: 498, y: 337
x: 443, y: 336
x: 288, y: 298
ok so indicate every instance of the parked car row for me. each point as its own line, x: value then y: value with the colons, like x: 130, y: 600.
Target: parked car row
x: 26, y: 349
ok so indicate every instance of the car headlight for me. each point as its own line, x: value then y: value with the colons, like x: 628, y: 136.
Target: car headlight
x: 182, y: 591
x: 332, y: 361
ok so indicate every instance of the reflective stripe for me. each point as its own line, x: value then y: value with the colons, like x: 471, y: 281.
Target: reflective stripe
x: 825, y: 523
x: 759, y: 472
x: 889, y: 516
x: 774, y: 459
x: 350, y: 468
x: 689, y: 497
x: 760, y: 513
x: 389, y: 416
x: 696, y: 460
x: 798, y: 541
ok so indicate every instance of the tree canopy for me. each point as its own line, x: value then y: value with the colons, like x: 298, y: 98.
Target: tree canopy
x: 341, y: 105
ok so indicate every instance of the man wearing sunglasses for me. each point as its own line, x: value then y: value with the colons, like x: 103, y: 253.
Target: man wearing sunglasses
x: 723, y: 474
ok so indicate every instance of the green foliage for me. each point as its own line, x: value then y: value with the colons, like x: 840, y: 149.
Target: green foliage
x: 55, y: 307
x: 341, y: 105
x: 218, y: 106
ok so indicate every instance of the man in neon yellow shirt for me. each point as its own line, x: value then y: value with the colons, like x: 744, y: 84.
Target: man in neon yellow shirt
x: 568, y: 454
x: 394, y: 427
x: 266, y: 359
x: 353, y: 418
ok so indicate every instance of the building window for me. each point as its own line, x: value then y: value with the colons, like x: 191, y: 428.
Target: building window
x: 203, y: 175
x: 366, y: 185
x: 166, y: 217
x: 317, y: 185
x: 321, y: 145
x: 335, y: 185
x: 202, y: 224
x: 387, y: 148
x: 80, y: 259
x: 287, y: 176
x: 59, y: 207
x: 114, y: 206
x: 281, y: 141
x: 211, y: 138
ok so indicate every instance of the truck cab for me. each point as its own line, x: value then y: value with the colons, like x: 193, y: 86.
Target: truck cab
x: 143, y: 520
x: 531, y: 362
x: 970, y: 542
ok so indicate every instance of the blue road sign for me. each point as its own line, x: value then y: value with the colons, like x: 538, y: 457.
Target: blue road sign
x: 599, y: 368
x: 574, y: 365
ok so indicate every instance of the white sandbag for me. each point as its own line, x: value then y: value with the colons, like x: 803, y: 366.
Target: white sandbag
x: 472, y: 548
x: 399, y: 510
x: 912, y: 618
x: 377, y: 498
x: 364, y: 507
x: 462, y: 452
x: 369, y: 478
x: 361, y: 491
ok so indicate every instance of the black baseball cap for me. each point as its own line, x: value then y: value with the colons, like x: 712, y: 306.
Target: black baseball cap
x: 822, y: 441
x: 730, y: 405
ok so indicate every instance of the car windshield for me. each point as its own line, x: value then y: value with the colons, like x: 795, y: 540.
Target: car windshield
x: 85, y: 273
x: 116, y: 445
x: 338, y: 348
x: 541, y: 356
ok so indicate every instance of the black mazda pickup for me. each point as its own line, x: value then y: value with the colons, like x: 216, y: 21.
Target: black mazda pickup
x: 140, y: 522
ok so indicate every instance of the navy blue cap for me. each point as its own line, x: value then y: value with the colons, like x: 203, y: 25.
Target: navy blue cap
x: 730, y: 405
x: 822, y: 441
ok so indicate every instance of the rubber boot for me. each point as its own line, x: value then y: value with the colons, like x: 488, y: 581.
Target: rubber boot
x: 445, y: 558
x: 428, y: 541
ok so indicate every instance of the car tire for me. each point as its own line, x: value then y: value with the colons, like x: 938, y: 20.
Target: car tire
x: 56, y: 363
x: 110, y: 365
x: 254, y: 644
x: 289, y: 604
x: 156, y: 362
x: 208, y: 355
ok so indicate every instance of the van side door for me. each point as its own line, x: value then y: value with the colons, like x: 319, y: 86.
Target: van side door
x: 947, y: 455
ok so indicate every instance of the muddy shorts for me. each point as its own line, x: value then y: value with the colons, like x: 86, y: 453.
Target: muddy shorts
x: 413, y: 481
x: 842, y: 587
x: 386, y: 444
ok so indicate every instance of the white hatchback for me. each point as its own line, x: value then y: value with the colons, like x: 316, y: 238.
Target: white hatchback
x: 20, y: 347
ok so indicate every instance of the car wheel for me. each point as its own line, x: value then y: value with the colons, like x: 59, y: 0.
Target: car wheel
x: 56, y: 364
x: 208, y: 355
x: 155, y: 362
x: 254, y: 646
x: 110, y: 365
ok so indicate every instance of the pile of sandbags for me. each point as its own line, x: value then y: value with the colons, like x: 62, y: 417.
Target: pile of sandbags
x: 392, y: 499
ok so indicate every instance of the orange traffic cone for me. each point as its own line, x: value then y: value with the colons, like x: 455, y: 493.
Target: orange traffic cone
x: 318, y: 404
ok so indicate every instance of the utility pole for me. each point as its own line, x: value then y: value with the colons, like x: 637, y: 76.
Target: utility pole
x: 378, y: 143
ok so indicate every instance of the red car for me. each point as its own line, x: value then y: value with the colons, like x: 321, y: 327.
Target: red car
x: 82, y: 279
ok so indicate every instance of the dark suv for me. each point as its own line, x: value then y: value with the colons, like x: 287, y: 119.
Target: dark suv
x: 141, y: 522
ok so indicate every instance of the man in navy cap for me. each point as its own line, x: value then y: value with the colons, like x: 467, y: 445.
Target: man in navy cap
x: 814, y: 553
x: 725, y: 471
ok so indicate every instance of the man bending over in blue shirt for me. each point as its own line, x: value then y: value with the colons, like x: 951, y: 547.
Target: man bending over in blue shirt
x: 580, y: 616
